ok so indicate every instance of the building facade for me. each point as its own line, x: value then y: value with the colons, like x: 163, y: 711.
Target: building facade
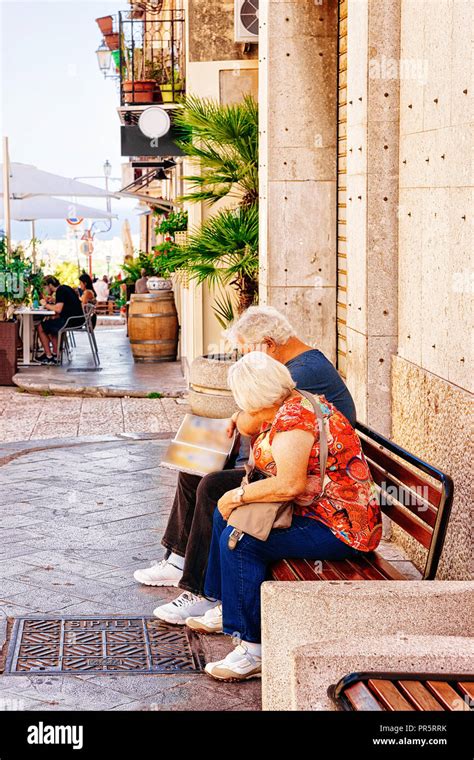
x: 366, y: 227
x: 365, y: 199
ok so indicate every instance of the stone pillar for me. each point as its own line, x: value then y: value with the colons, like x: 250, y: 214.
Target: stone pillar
x: 373, y: 57
x: 297, y: 96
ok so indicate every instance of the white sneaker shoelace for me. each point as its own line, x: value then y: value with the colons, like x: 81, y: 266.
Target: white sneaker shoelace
x: 242, y: 651
x: 186, y: 599
x: 158, y: 563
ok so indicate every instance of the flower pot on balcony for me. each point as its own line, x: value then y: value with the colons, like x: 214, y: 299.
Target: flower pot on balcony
x: 139, y: 91
x: 112, y: 40
x: 167, y: 91
x: 8, y: 352
x: 106, y: 24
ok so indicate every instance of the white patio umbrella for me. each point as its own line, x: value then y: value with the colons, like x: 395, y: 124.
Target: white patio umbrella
x: 32, y: 209
x: 26, y: 180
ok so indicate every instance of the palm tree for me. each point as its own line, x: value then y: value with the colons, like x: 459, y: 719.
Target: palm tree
x: 223, y: 141
x: 224, y: 251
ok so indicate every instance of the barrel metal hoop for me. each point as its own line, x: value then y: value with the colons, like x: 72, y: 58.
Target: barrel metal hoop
x: 166, y: 314
x: 154, y: 342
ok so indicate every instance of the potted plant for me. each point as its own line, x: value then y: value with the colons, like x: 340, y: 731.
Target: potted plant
x: 175, y: 221
x: 224, y: 251
x: 106, y: 24
x: 112, y: 40
x: 13, y: 291
x: 171, y: 85
x: 158, y: 266
x: 141, y: 84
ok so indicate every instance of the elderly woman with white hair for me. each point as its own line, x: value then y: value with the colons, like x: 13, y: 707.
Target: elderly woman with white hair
x: 188, y: 533
x: 332, y: 520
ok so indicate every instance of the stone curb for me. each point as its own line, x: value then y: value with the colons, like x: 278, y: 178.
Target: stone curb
x: 57, y: 389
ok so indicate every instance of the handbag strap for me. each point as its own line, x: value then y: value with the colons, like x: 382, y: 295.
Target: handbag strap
x: 323, y: 436
x: 323, y: 439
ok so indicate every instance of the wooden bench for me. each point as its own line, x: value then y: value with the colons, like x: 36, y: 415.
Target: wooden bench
x: 395, y: 692
x: 412, y: 493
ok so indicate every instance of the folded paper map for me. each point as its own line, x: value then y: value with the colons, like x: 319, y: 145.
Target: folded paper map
x: 200, y: 446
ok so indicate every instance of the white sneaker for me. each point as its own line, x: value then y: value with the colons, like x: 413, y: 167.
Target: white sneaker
x: 239, y: 665
x: 159, y: 574
x: 211, y: 622
x: 186, y: 605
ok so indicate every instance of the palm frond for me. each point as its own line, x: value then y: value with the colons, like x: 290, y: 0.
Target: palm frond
x: 224, y: 143
x: 223, y: 309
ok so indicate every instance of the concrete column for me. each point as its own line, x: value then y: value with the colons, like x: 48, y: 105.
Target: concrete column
x: 297, y: 96
x: 373, y: 60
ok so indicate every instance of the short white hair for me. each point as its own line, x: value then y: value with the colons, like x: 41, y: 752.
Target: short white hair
x: 257, y: 381
x: 258, y: 323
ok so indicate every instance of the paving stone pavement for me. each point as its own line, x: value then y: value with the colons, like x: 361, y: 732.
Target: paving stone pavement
x: 78, y: 517
x: 118, y: 375
x: 25, y: 416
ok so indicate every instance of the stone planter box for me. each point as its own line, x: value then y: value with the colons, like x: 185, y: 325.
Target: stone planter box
x: 8, y: 351
x: 209, y: 394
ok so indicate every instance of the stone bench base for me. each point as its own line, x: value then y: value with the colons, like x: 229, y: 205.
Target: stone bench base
x: 299, y: 615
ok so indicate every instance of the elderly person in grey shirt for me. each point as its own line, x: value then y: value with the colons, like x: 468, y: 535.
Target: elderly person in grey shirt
x: 188, y: 534
x: 141, y: 284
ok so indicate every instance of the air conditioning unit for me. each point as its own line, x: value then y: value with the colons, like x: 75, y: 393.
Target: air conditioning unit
x: 246, y: 20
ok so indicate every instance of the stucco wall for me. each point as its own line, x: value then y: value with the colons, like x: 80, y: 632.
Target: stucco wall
x: 434, y: 419
x: 433, y: 374
x: 211, y: 32
x: 373, y: 34
x: 436, y: 179
x: 297, y: 99
x: 216, y: 68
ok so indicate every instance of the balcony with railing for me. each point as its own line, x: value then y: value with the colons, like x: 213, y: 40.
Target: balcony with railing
x: 151, y: 57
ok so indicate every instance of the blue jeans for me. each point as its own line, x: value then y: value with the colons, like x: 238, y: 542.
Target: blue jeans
x: 235, y: 576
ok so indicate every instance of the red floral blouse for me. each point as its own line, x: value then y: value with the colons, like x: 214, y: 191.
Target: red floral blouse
x: 349, y: 505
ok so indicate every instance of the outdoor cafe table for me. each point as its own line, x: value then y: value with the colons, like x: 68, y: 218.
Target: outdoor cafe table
x: 27, y: 313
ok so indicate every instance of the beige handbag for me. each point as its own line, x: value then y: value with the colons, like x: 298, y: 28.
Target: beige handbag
x: 259, y: 518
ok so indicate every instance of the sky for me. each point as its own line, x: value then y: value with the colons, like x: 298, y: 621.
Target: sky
x: 56, y: 108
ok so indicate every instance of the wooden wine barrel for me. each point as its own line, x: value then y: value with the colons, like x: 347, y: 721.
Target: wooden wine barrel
x: 153, y: 327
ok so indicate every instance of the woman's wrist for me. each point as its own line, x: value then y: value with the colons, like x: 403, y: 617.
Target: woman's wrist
x: 238, y: 496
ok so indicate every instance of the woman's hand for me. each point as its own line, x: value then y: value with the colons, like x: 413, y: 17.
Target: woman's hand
x: 226, y: 504
x: 231, y: 427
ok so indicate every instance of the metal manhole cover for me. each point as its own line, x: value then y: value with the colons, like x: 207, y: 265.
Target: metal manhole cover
x: 70, y: 645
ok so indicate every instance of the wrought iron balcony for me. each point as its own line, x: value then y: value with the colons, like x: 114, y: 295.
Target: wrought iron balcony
x: 151, y: 57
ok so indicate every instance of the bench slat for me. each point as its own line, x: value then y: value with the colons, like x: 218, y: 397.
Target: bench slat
x: 388, y: 570
x: 415, y: 529
x: 281, y: 571
x: 328, y: 573
x: 403, y: 473
x: 369, y: 567
x: 369, y: 572
x: 304, y: 569
x: 361, y: 698
x: 447, y: 696
x: 350, y: 570
x: 420, y: 696
x: 467, y: 688
x: 422, y: 509
x: 389, y: 695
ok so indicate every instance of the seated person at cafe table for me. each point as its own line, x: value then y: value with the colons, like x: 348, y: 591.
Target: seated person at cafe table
x: 66, y: 306
x: 87, y: 294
